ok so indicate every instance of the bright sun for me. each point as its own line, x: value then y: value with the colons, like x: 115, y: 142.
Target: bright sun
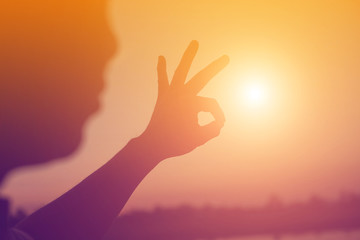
x: 254, y: 93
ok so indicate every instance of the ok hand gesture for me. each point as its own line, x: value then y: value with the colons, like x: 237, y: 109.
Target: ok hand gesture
x: 173, y: 129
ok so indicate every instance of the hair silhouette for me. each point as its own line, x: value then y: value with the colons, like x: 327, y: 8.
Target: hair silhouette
x: 53, y: 55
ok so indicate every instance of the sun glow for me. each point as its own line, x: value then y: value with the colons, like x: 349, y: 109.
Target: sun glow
x: 254, y: 93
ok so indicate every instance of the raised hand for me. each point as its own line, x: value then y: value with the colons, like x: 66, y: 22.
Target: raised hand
x: 173, y: 129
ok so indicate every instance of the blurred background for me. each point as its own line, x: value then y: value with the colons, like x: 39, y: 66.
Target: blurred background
x: 290, y: 95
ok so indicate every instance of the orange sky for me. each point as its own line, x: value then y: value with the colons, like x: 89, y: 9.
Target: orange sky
x: 304, y: 141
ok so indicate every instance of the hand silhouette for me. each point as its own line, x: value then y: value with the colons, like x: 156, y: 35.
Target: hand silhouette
x: 173, y: 129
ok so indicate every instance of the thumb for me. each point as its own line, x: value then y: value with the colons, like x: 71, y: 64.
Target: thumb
x: 209, y: 131
x: 212, y: 129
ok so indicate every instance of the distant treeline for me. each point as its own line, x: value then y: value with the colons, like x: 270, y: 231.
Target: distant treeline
x: 275, y: 219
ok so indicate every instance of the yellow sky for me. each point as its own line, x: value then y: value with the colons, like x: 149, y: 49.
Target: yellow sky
x: 303, y: 141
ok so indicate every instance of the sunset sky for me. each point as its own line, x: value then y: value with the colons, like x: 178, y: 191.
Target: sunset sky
x: 291, y: 96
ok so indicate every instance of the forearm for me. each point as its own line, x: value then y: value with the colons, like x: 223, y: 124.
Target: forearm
x: 87, y: 210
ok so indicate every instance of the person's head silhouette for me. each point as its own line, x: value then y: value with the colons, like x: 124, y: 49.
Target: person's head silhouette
x: 52, y: 60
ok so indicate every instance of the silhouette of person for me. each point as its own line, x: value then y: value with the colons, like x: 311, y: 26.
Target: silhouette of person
x: 53, y: 54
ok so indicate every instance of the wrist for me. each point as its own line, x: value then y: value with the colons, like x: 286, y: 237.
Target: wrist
x: 142, y: 150
x: 149, y: 147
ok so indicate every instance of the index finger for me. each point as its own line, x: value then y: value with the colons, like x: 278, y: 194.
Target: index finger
x: 212, y: 106
x: 199, y: 81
